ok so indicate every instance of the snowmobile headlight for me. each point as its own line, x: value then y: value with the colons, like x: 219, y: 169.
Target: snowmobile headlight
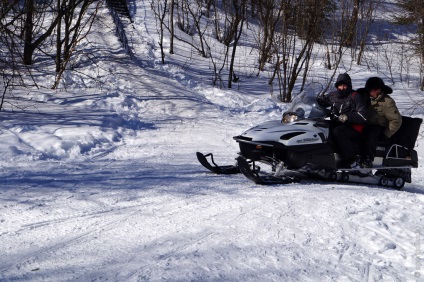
x: 289, y: 117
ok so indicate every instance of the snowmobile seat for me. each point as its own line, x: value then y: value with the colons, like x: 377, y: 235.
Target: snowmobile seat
x: 400, y: 150
x: 407, y: 134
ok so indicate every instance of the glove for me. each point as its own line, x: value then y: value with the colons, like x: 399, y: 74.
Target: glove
x: 333, y: 116
x: 321, y: 101
x: 342, y: 118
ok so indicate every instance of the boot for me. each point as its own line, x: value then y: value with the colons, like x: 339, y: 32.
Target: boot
x: 367, y: 162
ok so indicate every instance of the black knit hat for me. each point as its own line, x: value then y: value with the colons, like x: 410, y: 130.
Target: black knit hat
x: 377, y: 83
x: 343, y: 78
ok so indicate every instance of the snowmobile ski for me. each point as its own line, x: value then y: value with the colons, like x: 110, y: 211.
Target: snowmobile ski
x: 227, y: 169
x: 265, y: 179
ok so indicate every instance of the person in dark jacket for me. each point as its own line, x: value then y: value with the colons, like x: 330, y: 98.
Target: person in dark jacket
x: 383, y: 119
x: 348, y: 115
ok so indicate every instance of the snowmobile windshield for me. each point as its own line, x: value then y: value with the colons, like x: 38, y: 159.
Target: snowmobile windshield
x: 305, y: 106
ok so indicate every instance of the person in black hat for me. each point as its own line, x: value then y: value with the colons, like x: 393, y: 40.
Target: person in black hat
x: 348, y: 120
x: 383, y: 119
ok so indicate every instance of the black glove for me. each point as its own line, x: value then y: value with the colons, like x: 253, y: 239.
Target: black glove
x: 322, y: 101
x: 333, y: 116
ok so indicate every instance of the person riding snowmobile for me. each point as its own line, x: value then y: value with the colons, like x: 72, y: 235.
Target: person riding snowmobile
x: 348, y: 116
x: 383, y: 121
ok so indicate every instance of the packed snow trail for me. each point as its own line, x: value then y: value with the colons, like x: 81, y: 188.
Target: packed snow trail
x: 150, y: 225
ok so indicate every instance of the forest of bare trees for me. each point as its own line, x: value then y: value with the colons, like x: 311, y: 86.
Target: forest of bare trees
x: 31, y: 27
x: 289, y: 36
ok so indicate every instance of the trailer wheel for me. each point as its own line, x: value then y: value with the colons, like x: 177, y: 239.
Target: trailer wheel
x: 384, y: 181
x: 398, y: 183
x: 332, y: 176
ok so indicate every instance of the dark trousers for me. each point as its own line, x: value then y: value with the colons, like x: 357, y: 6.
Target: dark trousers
x: 345, y: 140
x: 372, y: 133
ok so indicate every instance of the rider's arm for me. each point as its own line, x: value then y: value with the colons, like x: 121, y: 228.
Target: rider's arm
x: 358, y: 115
x: 324, y: 101
x: 393, y: 116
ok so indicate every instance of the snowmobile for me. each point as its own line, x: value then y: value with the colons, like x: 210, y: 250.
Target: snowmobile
x: 297, y: 147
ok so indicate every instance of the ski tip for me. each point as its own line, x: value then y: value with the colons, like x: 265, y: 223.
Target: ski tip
x: 213, y: 167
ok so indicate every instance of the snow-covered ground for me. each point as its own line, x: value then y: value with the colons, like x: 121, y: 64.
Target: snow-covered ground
x: 102, y: 184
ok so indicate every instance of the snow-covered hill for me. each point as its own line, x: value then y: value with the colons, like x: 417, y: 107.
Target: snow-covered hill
x: 102, y: 184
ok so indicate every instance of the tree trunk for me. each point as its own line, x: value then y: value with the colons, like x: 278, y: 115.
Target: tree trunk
x: 351, y: 29
x: 58, y: 42
x: 233, y: 55
x: 29, y: 25
x: 30, y: 44
x: 171, y: 22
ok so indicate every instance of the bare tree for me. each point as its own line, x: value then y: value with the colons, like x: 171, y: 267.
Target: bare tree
x: 195, y: 10
x: 6, y: 85
x: 189, y: 20
x: 350, y: 33
x: 171, y: 27
x: 218, y: 65
x: 269, y: 13
x: 37, y: 28
x: 334, y: 30
x: 414, y: 15
x: 300, y: 29
x: 367, y: 17
x: 239, y: 7
x: 160, y: 10
x: 223, y: 21
x: 10, y: 15
x: 76, y: 19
